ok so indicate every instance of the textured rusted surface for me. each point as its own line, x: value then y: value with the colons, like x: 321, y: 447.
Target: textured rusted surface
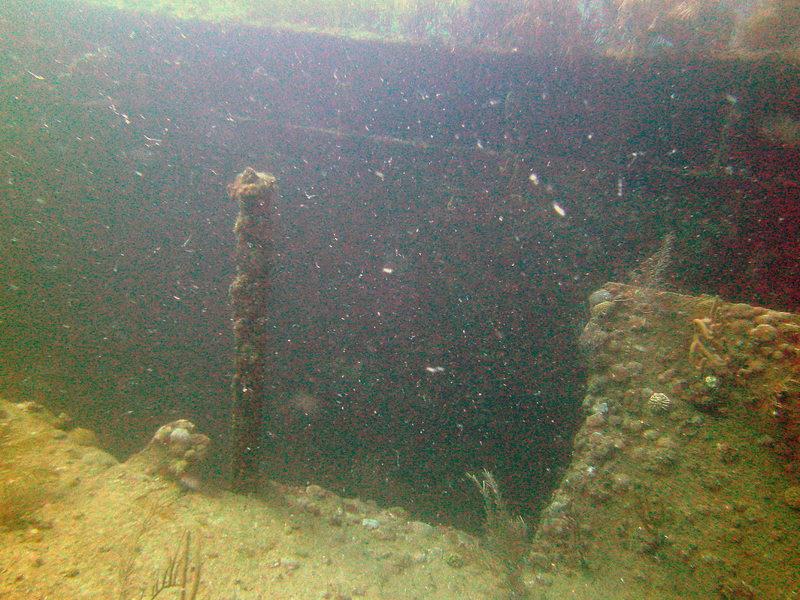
x: 250, y: 292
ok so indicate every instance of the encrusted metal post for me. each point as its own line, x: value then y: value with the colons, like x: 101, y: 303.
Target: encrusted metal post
x: 250, y: 292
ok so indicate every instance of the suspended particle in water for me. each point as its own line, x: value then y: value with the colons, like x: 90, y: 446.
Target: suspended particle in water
x: 559, y: 210
x: 533, y: 178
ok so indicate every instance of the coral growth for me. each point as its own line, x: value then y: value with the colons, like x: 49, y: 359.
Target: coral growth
x: 781, y: 129
x: 181, y: 573
x: 775, y: 26
x: 649, y: 274
x: 647, y: 25
x: 699, y: 352
x: 654, y: 480
x: 174, y: 452
x: 546, y: 25
x: 506, y: 536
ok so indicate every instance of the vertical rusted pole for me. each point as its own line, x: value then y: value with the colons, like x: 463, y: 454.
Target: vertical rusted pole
x: 250, y: 292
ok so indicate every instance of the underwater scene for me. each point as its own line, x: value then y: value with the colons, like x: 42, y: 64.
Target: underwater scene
x: 400, y: 299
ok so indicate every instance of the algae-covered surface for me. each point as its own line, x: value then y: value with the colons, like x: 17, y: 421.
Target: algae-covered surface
x: 388, y: 20
x: 683, y: 484
x: 442, y: 215
x: 622, y: 28
x: 685, y: 470
x: 77, y: 524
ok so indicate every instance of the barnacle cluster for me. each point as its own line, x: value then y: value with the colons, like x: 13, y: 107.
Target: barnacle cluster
x: 659, y: 402
x: 174, y: 450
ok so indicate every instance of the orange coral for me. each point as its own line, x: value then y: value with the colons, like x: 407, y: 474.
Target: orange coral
x: 698, y: 351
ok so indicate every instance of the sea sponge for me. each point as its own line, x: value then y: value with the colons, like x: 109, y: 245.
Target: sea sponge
x: 781, y: 129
